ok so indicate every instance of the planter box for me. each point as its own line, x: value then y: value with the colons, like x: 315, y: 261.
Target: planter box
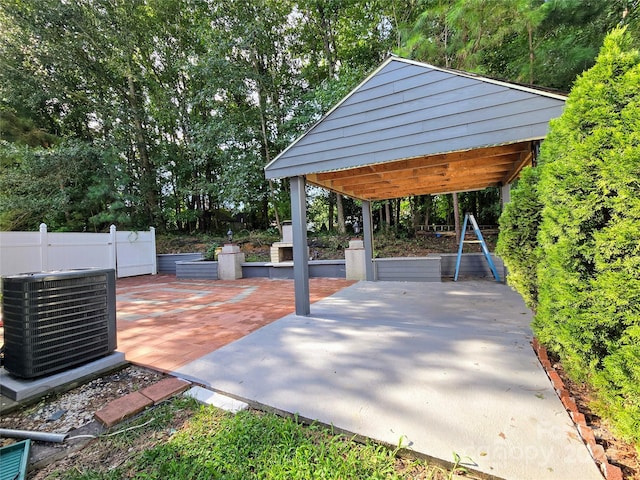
x: 471, y: 265
x: 167, y: 261
x: 197, y: 270
x: 408, y: 269
x: 284, y: 270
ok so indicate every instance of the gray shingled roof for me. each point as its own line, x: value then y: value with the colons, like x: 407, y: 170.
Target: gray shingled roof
x: 409, y: 110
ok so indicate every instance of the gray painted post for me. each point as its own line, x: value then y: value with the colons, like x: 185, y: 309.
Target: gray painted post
x: 505, y: 194
x: 300, y: 260
x: 367, y: 230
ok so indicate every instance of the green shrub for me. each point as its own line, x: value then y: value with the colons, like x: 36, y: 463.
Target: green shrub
x: 618, y: 384
x: 210, y: 254
x: 517, y: 242
x: 588, y: 273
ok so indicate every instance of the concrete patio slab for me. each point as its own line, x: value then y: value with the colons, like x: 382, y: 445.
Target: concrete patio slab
x: 442, y: 368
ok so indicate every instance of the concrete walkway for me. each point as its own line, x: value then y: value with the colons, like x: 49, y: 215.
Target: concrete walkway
x: 443, y: 368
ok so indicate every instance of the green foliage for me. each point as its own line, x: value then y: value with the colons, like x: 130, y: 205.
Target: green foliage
x: 588, y: 275
x: 194, y: 98
x: 546, y: 43
x: 517, y: 241
x: 251, y: 445
x: 22, y: 131
x: 211, y: 253
x: 74, y: 187
x: 618, y: 384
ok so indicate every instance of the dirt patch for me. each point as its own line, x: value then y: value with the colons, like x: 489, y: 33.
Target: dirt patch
x: 330, y: 247
x: 619, y: 452
x: 68, y: 411
x: 72, y: 413
x: 109, y: 453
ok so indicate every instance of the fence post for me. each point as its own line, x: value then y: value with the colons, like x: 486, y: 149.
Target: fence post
x: 154, y: 269
x: 44, y: 248
x: 113, y: 250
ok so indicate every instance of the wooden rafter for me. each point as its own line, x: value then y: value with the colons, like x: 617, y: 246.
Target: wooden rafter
x: 442, y: 173
x: 526, y: 158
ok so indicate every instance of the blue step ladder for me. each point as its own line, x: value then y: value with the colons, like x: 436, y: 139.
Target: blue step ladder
x: 485, y: 250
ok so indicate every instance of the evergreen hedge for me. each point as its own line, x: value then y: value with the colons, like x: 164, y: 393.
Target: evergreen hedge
x: 517, y: 242
x: 588, y: 243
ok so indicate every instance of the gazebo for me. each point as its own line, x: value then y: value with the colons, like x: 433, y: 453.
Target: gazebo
x: 411, y: 128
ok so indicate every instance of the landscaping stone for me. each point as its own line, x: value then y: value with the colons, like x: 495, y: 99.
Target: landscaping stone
x: 164, y: 389
x: 218, y: 400
x: 123, y: 408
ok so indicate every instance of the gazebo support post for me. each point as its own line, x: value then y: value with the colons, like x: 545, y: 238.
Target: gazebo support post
x: 505, y: 194
x: 367, y: 230
x: 300, y: 259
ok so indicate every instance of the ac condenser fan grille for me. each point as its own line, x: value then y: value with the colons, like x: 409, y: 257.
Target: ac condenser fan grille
x: 55, y: 321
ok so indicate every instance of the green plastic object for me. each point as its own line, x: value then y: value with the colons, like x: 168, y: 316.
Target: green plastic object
x: 13, y: 460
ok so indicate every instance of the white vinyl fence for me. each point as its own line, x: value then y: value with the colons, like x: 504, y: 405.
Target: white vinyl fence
x: 129, y: 253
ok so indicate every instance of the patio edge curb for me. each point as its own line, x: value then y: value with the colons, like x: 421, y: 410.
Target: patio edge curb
x: 609, y: 471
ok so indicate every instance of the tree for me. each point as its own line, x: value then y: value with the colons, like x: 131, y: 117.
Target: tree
x: 588, y: 276
x: 518, y: 238
x: 340, y: 42
x: 195, y: 97
x: 554, y: 41
x: 72, y: 187
x: 82, y: 71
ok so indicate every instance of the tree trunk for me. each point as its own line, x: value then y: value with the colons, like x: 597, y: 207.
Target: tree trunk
x: 147, y: 171
x: 265, y: 145
x: 331, y: 196
x: 415, y: 212
x: 275, y: 209
x: 342, y: 228
x: 531, y: 53
x: 427, y: 211
x: 387, y: 213
x: 327, y: 41
x: 456, y: 216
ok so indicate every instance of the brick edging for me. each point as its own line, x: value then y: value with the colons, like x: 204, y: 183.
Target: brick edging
x: 133, y: 403
x: 610, y: 472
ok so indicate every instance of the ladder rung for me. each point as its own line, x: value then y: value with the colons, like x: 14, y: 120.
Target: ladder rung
x: 480, y: 240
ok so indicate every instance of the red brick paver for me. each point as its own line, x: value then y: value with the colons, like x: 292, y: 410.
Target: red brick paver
x: 165, y: 389
x: 165, y: 323
x: 123, y: 408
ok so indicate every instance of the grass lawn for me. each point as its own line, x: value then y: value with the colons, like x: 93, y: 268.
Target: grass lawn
x: 210, y: 443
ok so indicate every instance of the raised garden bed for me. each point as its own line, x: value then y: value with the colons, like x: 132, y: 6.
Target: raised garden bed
x: 197, y: 269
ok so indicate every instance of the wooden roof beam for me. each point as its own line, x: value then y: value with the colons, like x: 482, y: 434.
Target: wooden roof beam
x: 526, y: 158
x: 440, y: 170
x: 452, y: 188
x: 348, y: 178
x: 393, y: 190
x: 432, y: 160
x: 478, y: 174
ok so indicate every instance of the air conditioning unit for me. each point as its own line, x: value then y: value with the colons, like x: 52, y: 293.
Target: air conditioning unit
x: 54, y: 321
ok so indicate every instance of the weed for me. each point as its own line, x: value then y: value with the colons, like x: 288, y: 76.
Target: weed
x: 457, y: 468
x: 210, y: 254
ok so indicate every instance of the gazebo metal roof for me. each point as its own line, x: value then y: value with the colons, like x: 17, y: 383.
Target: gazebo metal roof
x: 411, y: 128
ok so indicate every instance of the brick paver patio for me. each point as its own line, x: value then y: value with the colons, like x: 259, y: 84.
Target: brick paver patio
x: 165, y: 323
